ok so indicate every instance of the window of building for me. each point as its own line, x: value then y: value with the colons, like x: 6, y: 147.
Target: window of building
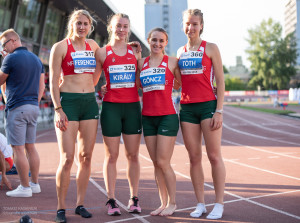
x: 5, y: 13
x: 52, y: 27
x: 28, y: 25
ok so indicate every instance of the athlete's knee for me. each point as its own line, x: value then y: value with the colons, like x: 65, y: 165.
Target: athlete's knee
x: 112, y: 157
x: 67, y: 162
x: 215, y: 158
x: 85, y: 157
x: 195, y: 159
x: 163, y: 164
x: 132, y: 157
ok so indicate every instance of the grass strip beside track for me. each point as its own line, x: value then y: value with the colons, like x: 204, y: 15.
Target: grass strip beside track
x: 267, y: 110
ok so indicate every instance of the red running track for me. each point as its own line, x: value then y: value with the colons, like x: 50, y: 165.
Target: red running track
x: 262, y: 158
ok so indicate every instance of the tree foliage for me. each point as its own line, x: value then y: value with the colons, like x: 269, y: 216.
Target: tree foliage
x: 225, y: 70
x: 272, y: 57
x: 234, y: 83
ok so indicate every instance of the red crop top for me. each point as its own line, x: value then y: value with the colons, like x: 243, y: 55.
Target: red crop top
x: 78, y: 62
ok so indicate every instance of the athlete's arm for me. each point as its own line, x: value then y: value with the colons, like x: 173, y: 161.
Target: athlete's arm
x: 41, y: 86
x: 3, y: 89
x: 173, y: 66
x: 213, y: 52
x: 4, y: 180
x: 56, y: 56
x: 137, y: 45
x: 137, y: 53
x: 179, y: 52
x: 138, y: 71
x: 98, y: 70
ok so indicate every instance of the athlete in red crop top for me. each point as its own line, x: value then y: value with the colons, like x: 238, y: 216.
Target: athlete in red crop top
x: 121, y: 111
x: 160, y: 121
x: 85, y: 63
x: 120, y: 74
x: 157, y: 102
x: 200, y: 62
x: 76, y: 109
x: 197, y: 76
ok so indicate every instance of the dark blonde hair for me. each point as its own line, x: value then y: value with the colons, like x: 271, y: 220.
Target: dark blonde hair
x: 74, y: 16
x: 195, y: 12
x: 109, y: 21
x: 158, y: 29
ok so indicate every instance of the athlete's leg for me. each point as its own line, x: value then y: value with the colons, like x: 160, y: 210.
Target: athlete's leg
x: 192, y: 136
x: 151, y: 143
x: 111, y: 145
x: 213, y: 148
x: 132, y: 145
x: 66, y: 143
x: 165, y: 148
x: 86, y: 139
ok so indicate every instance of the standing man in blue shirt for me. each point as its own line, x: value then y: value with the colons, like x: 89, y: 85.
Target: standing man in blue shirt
x: 23, y: 74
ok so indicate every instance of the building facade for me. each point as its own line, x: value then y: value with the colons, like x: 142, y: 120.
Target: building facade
x: 41, y: 23
x: 168, y: 15
x: 239, y: 70
x: 292, y: 22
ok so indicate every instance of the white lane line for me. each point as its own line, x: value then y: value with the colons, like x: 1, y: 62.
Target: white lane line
x: 234, y: 195
x: 273, y: 157
x: 43, y: 134
x: 225, y: 202
x: 242, y: 199
x: 247, y: 199
x: 258, y: 136
x: 263, y: 127
x: 261, y: 150
x: 253, y: 167
x: 104, y: 192
x: 260, y: 117
x: 263, y: 170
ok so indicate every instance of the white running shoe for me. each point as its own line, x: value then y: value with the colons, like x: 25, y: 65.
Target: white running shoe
x: 200, y: 209
x: 35, y: 188
x: 20, y: 191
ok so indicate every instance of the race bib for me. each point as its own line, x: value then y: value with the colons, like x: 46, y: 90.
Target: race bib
x: 191, y: 62
x: 153, y: 79
x: 84, y: 61
x: 122, y: 76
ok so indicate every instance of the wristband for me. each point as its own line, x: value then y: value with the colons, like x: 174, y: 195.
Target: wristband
x: 219, y: 111
x: 59, y: 107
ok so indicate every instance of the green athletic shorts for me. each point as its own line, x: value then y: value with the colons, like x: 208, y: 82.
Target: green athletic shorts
x: 166, y: 125
x: 117, y: 118
x: 196, y: 112
x: 79, y: 106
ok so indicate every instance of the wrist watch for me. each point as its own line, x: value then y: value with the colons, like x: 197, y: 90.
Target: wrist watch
x: 219, y: 111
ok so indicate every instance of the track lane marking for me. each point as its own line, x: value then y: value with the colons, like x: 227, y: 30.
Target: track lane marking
x: 258, y: 136
x: 234, y: 195
x: 253, y: 167
x: 246, y: 199
x: 101, y: 189
x: 244, y: 113
x: 261, y: 150
x: 263, y: 127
